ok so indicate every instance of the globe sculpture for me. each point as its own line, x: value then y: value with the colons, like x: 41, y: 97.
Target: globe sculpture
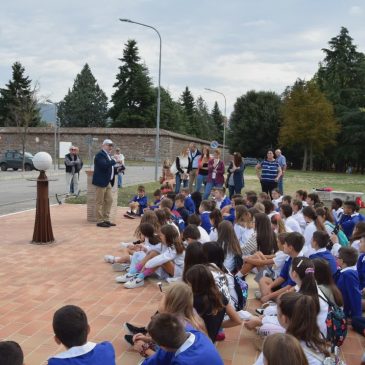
x: 43, y: 232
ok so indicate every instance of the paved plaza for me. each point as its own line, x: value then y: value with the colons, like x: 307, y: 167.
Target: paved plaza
x: 37, y: 280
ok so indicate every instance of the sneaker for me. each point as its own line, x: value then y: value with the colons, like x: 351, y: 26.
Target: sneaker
x: 258, y: 294
x: 125, y: 278
x: 109, y: 259
x: 129, y: 339
x: 173, y: 280
x: 120, y: 267
x: 134, y: 283
x: 220, y: 336
x: 133, y: 330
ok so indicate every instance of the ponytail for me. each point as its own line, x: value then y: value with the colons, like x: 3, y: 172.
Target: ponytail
x: 310, y: 213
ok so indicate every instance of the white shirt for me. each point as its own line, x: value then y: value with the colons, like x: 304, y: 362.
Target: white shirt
x: 277, y: 202
x: 299, y: 217
x: 308, y: 235
x: 242, y: 233
x: 293, y: 224
x: 213, y: 235
x: 337, y: 213
x: 204, y: 236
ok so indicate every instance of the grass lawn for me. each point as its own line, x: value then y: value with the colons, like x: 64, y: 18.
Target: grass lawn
x: 293, y: 181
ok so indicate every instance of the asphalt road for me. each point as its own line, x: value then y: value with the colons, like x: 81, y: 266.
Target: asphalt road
x: 18, y: 194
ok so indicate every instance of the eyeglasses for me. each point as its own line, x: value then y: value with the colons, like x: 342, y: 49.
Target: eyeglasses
x: 73, y: 149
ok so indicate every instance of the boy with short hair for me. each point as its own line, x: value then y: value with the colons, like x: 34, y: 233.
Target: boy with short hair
x: 195, y: 219
x: 11, y: 353
x: 251, y: 198
x: 176, y: 346
x: 221, y: 200
x: 270, y: 289
x: 189, y: 202
x: 337, y: 210
x: 348, y: 281
x: 138, y: 203
x: 158, y: 196
x: 286, y: 200
x: 191, y: 234
x: 204, y: 210
x: 71, y: 329
x: 180, y: 207
x: 350, y: 217
x: 320, y: 242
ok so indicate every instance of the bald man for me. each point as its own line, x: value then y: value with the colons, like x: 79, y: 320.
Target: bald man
x: 281, y: 160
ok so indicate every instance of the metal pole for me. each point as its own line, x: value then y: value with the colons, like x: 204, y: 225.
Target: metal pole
x: 55, y: 132
x: 225, y: 118
x: 157, y: 149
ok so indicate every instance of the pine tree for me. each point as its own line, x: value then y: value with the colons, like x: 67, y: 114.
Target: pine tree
x: 86, y: 104
x: 218, y: 121
x: 16, y: 99
x: 188, y: 104
x: 308, y: 120
x: 203, y: 120
x: 134, y: 97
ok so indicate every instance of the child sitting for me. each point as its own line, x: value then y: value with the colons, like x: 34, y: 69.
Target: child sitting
x: 348, y: 281
x: 301, y: 195
x: 215, y: 218
x: 270, y: 290
x: 178, y: 347
x: 138, y: 203
x: 180, y: 207
x: 228, y: 211
x: 337, y: 210
x: 360, y: 266
x: 191, y: 234
x: 297, y: 207
x: 195, y: 220
x: 173, y: 216
x: 286, y: 212
x: 158, y: 196
x: 320, y: 241
x: 204, y: 210
x: 71, y: 329
x: 11, y: 353
x: 350, y: 218
x: 286, y: 200
x: 243, y: 226
x: 251, y: 198
x: 277, y: 198
x: 189, y: 202
x: 221, y: 200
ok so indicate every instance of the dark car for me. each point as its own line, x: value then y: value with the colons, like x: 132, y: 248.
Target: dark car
x: 13, y: 159
x: 251, y: 161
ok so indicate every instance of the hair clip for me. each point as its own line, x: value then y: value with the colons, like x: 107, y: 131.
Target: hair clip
x: 300, y: 262
x: 309, y: 270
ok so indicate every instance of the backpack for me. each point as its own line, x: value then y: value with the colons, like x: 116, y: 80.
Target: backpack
x: 336, y: 324
x: 241, y: 289
x: 238, y: 263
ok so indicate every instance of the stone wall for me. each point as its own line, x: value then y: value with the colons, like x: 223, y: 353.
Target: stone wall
x: 135, y: 144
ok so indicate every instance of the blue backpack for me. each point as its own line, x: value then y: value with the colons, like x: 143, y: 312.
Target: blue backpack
x: 241, y: 288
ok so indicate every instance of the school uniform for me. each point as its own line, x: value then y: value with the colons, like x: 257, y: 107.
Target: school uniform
x: 324, y: 254
x: 206, y: 221
x: 197, y: 349
x: 223, y: 203
x: 349, y: 285
x: 142, y: 201
x: 88, y: 354
x: 184, y: 213
x: 308, y: 235
x: 293, y: 224
x: 360, y: 266
x: 189, y: 205
x: 242, y: 234
x: 285, y: 273
x: 231, y: 217
x: 204, y: 236
x: 299, y: 217
x: 348, y: 222
x: 337, y: 214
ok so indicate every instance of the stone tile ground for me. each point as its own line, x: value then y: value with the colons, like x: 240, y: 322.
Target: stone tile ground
x: 37, y: 280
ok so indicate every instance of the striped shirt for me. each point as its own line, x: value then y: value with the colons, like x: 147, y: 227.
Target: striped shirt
x: 270, y: 170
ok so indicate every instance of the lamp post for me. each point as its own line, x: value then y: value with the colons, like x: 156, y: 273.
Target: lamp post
x: 157, y: 151
x: 225, y: 117
x: 55, y: 132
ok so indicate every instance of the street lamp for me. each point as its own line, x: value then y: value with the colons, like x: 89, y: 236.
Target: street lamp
x: 55, y: 132
x: 157, y: 151
x: 225, y: 116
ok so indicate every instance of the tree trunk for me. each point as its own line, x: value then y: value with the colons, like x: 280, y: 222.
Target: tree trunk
x: 311, y: 157
x: 305, y: 158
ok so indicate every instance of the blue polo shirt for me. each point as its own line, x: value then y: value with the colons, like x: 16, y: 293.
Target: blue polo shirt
x: 326, y: 255
x: 285, y: 273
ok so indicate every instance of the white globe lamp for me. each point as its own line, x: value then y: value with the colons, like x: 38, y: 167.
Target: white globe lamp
x: 42, y: 161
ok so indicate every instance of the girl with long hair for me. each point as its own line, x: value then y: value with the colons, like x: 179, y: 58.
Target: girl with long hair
x: 215, y: 218
x: 209, y: 302
x: 202, y: 168
x: 194, y: 255
x: 359, y: 231
x: 235, y: 179
x: 314, y: 223
x: 227, y: 239
x: 243, y: 226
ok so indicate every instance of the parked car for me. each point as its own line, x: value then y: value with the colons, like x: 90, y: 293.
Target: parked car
x: 251, y: 161
x: 13, y: 159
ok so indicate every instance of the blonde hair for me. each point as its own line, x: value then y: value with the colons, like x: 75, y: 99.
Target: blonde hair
x: 150, y: 217
x: 179, y: 300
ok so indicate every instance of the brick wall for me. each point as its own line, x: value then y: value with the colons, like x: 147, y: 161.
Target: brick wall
x: 135, y: 144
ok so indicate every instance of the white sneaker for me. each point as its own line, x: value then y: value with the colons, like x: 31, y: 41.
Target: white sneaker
x: 124, y: 244
x: 134, y: 283
x: 244, y: 315
x: 109, y: 258
x: 124, y: 278
x: 120, y: 267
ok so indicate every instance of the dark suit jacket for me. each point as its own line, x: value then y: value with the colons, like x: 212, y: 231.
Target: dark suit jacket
x: 102, y: 169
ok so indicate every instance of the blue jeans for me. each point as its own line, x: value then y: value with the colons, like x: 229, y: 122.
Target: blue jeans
x: 178, y: 183
x: 281, y: 185
x: 208, y: 188
x: 119, y: 180
x: 200, y: 179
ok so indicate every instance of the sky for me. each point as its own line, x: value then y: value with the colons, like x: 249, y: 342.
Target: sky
x: 231, y: 46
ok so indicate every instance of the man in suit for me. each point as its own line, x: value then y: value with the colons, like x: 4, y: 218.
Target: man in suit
x: 103, y: 179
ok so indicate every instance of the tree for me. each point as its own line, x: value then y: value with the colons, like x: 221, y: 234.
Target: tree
x: 308, y: 120
x: 134, y: 97
x: 17, y: 95
x: 203, y: 120
x: 188, y: 105
x: 86, y: 104
x: 254, y: 123
x: 218, y: 121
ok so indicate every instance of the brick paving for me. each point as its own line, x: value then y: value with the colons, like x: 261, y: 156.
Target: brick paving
x: 37, y: 280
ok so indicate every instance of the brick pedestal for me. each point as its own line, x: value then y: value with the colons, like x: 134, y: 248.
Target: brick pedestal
x: 91, y: 200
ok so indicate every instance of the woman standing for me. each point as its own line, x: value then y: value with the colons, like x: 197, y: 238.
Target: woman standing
x: 182, y: 166
x: 235, y: 170
x: 270, y: 173
x: 215, y: 174
x: 203, y: 168
x: 121, y: 168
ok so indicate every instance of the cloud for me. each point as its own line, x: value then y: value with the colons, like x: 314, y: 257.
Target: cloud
x: 356, y: 10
